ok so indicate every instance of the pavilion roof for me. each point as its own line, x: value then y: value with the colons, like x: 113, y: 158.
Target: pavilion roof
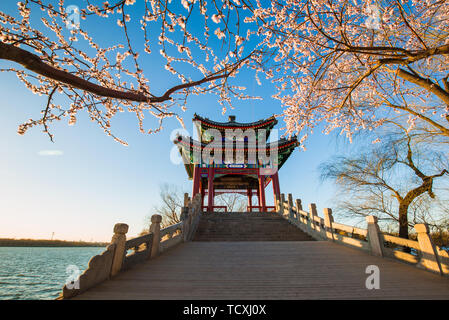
x: 187, y: 145
x: 206, y: 123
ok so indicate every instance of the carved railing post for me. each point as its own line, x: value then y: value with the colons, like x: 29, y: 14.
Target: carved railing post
x: 298, y: 208
x: 312, y: 215
x: 184, y: 216
x: 290, y: 206
x: 298, y: 204
x: 195, y: 212
x: 375, y: 238
x: 184, y: 213
x: 328, y: 220
x: 119, y: 239
x: 155, y: 229
x: 186, y: 199
x: 281, y: 204
x: 191, y: 217
x: 277, y: 203
x: 187, y: 222
x: 429, y: 255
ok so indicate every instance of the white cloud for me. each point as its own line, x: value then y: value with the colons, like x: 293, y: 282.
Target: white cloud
x: 50, y: 153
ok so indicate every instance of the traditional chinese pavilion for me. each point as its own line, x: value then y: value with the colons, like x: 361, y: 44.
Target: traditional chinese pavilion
x: 245, y: 176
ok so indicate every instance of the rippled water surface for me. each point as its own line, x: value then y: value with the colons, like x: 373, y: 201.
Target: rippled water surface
x: 39, y: 273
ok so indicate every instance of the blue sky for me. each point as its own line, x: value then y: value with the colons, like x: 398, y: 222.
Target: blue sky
x: 95, y: 182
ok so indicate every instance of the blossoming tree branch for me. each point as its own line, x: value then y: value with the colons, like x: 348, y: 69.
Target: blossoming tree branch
x: 96, y: 79
x: 355, y: 64
x: 349, y: 65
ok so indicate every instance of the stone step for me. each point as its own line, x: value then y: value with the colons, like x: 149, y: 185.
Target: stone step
x: 243, y: 226
x: 253, y: 239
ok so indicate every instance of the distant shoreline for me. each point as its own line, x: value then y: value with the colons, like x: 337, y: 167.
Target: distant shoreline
x: 48, y: 243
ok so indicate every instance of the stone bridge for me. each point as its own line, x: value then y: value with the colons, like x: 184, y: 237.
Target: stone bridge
x: 286, y: 254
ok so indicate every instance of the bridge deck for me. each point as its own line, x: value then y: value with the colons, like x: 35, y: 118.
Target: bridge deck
x: 268, y: 270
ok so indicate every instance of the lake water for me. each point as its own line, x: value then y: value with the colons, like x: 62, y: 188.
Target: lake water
x: 37, y: 272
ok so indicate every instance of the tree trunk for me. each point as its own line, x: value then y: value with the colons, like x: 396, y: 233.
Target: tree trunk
x: 403, y: 223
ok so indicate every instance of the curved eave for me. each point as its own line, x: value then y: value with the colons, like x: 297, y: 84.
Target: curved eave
x: 287, y: 151
x: 268, y: 123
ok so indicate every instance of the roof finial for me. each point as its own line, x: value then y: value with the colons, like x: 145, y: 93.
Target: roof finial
x: 231, y: 118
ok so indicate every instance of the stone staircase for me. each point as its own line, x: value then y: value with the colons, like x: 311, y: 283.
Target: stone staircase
x: 243, y: 226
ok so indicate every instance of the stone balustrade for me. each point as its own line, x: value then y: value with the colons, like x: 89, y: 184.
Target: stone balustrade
x: 427, y: 255
x: 123, y: 254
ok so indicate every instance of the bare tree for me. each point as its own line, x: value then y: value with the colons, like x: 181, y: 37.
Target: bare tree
x: 172, y: 200
x: 169, y: 207
x: 234, y: 202
x: 393, y: 180
x: 171, y: 197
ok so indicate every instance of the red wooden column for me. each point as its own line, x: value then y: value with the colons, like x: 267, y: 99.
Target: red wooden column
x: 210, y: 188
x: 276, y: 189
x: 249, y: 192
x: 278, y: 184
x: 262, y: 192
x: 202, y: 190
x: 258, y: 198
x: 196, y: 180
